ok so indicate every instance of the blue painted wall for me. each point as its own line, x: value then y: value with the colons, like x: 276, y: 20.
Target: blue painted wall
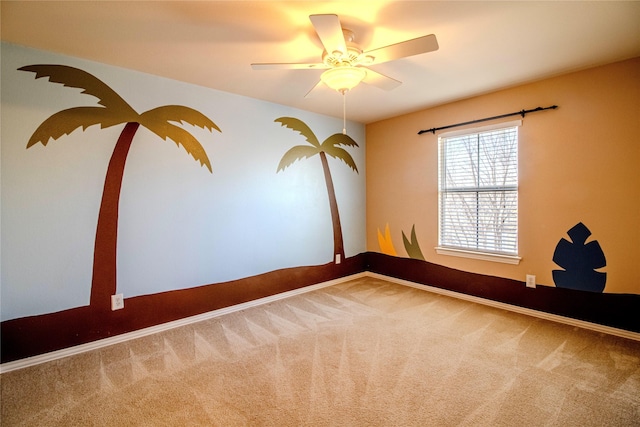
x: 179, y: 226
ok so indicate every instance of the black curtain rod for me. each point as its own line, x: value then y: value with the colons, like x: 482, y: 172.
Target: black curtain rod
x: 521, y: 113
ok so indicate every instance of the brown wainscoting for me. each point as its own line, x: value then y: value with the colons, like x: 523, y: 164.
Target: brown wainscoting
x: 35, y: 335
x: 615, y: 310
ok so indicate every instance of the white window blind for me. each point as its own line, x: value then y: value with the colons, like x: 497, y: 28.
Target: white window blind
x: 478, y: 190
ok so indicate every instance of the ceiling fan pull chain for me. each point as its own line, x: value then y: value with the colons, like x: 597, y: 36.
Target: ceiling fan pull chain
x: 344, y: 112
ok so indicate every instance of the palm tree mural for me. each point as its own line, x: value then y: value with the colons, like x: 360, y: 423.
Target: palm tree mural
x: 330, y: 146
x: 113, y: 111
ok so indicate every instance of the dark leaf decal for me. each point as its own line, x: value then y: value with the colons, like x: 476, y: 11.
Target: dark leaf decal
x: 579, y: 261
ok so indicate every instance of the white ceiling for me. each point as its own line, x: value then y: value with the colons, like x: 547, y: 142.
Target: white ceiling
x: 484, y: 46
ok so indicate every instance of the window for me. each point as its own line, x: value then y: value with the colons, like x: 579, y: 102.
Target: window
x: 478, y: 193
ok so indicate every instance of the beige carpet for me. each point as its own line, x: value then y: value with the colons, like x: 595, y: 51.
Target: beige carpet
x: 362, y: 353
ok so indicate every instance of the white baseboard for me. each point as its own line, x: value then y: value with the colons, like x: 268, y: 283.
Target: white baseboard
x: 94, y: 345
x: 71, y: 351
x: 514, y: 308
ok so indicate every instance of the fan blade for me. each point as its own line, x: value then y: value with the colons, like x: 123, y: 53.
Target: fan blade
x: 330, y: 32
x: 287, y: 66
x: 404, y: 49
x: 381, y: 81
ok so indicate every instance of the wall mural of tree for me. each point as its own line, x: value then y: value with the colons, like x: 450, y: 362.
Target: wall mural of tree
x: 331, y: 147
x: 55, y: 330
x: 113, y: 111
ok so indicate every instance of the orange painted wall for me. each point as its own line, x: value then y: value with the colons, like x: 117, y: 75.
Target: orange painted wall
x: 579, y: 163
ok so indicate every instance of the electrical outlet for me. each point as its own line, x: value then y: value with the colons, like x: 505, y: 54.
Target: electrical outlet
x: 338, y: 259
x: 531, y: 281
x: 117, y: 302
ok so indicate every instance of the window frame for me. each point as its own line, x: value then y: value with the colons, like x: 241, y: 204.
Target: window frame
x: 466, y: 252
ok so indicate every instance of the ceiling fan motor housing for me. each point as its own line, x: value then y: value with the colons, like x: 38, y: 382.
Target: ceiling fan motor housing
x: 352, y: 57
x: 338, y: 59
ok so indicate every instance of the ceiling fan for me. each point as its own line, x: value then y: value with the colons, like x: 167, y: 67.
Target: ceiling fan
x: 345, y: 62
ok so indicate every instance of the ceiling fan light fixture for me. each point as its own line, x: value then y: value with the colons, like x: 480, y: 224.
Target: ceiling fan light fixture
x: 343, y: 79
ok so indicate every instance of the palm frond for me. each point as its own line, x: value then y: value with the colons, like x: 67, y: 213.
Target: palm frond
x: 74, y: 77
x: 181, y: 137
x: 340, y: 139
x: 300, y: 127
x: 341, y: 154
x: 386, y: 245
x: 66, y: 121
x: 412, y: 247
x: 296, y: 153
x: 179, y: 114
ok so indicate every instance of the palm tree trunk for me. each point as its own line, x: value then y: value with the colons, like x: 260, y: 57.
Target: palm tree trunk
x: 338, y: 245
x: 103, y: 283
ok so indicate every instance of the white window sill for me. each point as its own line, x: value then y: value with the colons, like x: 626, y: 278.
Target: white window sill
x: 485, y: 256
